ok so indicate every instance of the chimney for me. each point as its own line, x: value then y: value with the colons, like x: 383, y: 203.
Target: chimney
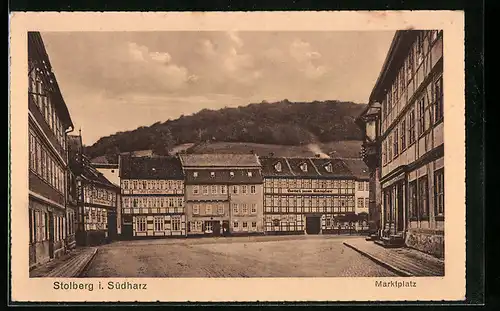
x: 271, y: 154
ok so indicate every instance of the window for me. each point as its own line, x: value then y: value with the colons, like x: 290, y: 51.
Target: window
x: 231, y: 174
x: 277, y: 167
x: 223, y: 189
x: 361, y: 186
x: 214, y: 189
x: 389, y: 154
x: 220, y: 208
x: 252, y: 189
x: 196, y: 209
x: 254, y: 224
x: 403, y: 135
x: 329, y: 167
x: 196, y: 190
x: 244, y: 208
x: 420, y: 49
x: 421, y: 116
x: 235, y: 224
x: 176, y: 223
x: 384, y: 154
x: 438, y: 99
x: 32, y: 147
x: 360, y: 203
x: 303, y: 167
x: 204, y: 190
x: 235, y: 189
x: 423, y: 198
x: 140, y: 223
x: 411, y: 127
x: 250, y: 174
x: 195, y: 174
x: 245, y: 224
x: 196, y: 226
x: 208, y: 209
x: 396, y: 143
x: 235, y: 208
x: 439, y: 192
x: 254, y: 208
x: 244, y: 189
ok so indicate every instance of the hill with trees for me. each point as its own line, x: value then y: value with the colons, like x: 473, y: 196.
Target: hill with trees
x: 280, y: 123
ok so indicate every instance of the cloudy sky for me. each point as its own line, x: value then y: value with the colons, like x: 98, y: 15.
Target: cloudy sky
x: 117, y: 81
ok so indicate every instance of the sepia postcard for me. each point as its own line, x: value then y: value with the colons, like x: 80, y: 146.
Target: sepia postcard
x: 237, y: 157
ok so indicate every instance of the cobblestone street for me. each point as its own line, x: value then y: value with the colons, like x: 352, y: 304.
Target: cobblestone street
x: 266, y: 256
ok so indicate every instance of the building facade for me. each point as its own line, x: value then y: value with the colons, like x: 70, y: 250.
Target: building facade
x: 410, y: 93
x: 111, y: 172
x: 223, y: 194
x: 152, y: 195
x: 97, y: 202
x: 308, y: 195
x: 49, y: 122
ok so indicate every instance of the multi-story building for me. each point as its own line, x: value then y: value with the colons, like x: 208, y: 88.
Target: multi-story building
x: 223, y: 193
x: 49, y: 122
x: 97, y: 202
x: 152, y: 194
x: 361, y: 174
x: 308, y: 195
x: 409, y: 92
x: 111, y: 173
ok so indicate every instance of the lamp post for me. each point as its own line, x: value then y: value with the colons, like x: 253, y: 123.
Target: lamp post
x: 369, y: 122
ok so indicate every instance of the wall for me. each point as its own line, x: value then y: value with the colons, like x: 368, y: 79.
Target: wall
x: 111, y: 174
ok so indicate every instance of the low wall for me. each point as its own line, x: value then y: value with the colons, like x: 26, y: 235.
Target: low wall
x: 427, y: 241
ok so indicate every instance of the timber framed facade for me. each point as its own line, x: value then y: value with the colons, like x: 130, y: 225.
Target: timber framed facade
x: 409, y: 94
x: 48, y: 124
x: 152, y: 197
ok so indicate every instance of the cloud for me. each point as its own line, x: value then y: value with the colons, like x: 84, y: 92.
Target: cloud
x: 235, y: 38
x: 307, y: 58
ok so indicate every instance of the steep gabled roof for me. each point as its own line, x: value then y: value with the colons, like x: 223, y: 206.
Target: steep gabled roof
x: 151, y: 168
x: 219, y: 160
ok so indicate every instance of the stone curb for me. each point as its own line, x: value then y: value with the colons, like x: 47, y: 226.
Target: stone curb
x: 84, y: 266
x: 379, y: 261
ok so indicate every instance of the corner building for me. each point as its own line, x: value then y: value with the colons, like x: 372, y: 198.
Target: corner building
x: 410, y: 91
x: 308, y: 195
x: 48, y: 124
x: 152, y: 194
x: 223, y: 194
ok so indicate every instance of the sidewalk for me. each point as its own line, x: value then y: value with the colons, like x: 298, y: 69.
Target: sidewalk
x: 70, y: 265
x: 403, y: 261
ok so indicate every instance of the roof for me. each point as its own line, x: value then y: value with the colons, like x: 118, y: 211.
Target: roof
x: 224, y: 176
x: 150, y: 168
x: 316, y: 167
x: 100, y: 160
x: 38, y: 54
x: 358, y: 168
x: 400, y: 44
x: 91, y: 174
x: 219, y: 160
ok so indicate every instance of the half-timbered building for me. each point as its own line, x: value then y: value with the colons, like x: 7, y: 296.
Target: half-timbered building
x: 48, y: 123
x: 152, y: 194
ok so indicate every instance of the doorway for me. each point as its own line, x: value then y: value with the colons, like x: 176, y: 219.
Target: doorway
x: 216, y: 228
x: 51, y: 235
x: 313, y: 224
x: 400, y: 207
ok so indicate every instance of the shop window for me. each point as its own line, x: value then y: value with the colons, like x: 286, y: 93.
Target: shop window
x: 176, y: 223
x: 140, y: 223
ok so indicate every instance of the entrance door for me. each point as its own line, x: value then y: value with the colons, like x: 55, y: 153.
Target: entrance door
x: 216, y: 228
x: 225, y: 227
x: 112, y: 230
x: 313, y: 224
x: 400, y: 207
x: 51, y: 235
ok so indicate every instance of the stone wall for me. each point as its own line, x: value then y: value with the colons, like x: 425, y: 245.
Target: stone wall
x: 427, y: 241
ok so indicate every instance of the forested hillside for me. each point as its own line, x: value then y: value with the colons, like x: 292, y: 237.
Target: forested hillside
x: 282, y: 123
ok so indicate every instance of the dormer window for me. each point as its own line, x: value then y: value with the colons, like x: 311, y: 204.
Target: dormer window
x: 277, y: 167
x: 231, y: 174
x: 250, y: 174
x: 195, y: 174
x: 329, y: 167
x: 212, y: 174
x: 303, y: 167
